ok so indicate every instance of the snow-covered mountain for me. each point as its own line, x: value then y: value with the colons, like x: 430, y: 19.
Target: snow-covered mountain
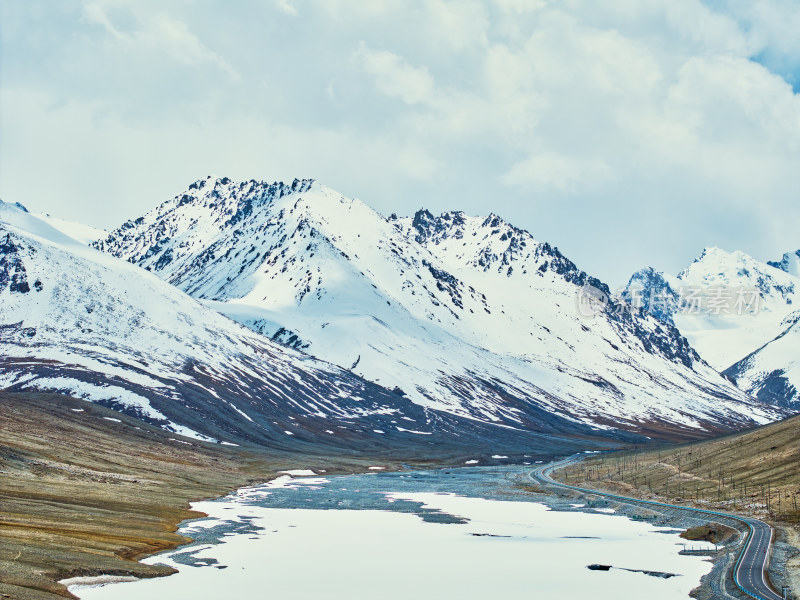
x: 468, y: 316
x: 772, y: 373
x: 789, y: 262
x: 652, y: 291
x: 78, y: 321
x: 729, y: 305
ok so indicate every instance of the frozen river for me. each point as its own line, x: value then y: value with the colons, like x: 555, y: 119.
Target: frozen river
x: 458, y: 533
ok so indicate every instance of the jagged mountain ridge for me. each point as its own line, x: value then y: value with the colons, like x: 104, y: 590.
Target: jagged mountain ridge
x: 77, y: 321
x: 729, y: 337
x: 466, y: 315
x: 651, y: 290
x: 508, y: 247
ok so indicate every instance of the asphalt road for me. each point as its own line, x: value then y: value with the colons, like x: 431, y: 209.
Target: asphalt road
x: 753, y: 560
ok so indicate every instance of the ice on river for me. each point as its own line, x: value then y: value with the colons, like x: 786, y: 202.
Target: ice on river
x: 505, y: 549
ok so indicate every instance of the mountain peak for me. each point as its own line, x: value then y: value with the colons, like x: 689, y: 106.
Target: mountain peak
x: 789, y: 263
x: 717, y: 263
x: 650, y: 290
x: 712, y: 251
x: 455, y: 223
x: 727, y: 303
x: 213, y: 182
x: 429, y: 227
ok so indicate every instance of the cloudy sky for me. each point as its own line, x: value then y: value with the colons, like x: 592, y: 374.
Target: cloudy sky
x: 626, y: 132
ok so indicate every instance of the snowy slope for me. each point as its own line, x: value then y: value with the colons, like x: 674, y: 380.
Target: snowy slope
x: 772, y: 373
x: 465, y: 315
x: 77, y: 321
x: 85, y: 234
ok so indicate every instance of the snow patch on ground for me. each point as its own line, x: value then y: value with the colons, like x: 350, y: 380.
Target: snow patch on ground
x: 299, y: 472
x: 501, y: 550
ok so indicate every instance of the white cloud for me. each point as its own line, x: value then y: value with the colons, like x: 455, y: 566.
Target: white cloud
x: 395, y: 77
x: 771, y: 25
x: 562, y: 173
x: 288, y: 7
x: 520, y: 6
x: 156, y: 31
x: 458, y: 25
x: 558, y: 115
x: 417, y: 163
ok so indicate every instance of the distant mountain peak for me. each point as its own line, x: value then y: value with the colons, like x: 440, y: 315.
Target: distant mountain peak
x: 733, y: 307
x: 789, y: 263
x: 651, y: 291
x: 431, y: 228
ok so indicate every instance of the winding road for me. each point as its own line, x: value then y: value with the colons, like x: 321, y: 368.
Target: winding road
x: 748, y: 573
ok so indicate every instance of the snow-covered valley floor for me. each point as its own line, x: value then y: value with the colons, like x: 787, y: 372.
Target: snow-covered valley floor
x: 447, y: 534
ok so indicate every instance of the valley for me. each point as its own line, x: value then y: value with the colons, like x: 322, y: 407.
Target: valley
x: 243, y: 328
x: 388, y: 300
x: 85, y: 490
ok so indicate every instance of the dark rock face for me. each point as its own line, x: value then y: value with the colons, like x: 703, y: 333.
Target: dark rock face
x: 664, y: 339
x: 290, y: 339
x: 783, y: 264
x: 12, y: 270
x: 776, y: 389
x: 435, y: 229
x: 561, y: 265
x: 447, y: 283
x: 649, y: 290
x: 164, y: 259
x: 425, y: 224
